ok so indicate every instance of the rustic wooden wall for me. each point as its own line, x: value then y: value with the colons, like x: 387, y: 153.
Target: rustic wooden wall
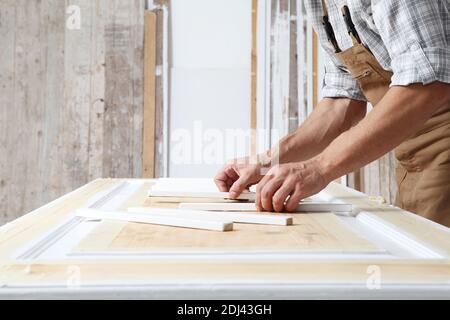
x: 71, y: 101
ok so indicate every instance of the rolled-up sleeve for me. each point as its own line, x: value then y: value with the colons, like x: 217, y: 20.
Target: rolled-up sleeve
x: 416, y: 35
x: 340, y: 83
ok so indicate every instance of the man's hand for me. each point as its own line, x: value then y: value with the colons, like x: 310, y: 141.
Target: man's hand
x: 297, y: 181
x: 238, y: 175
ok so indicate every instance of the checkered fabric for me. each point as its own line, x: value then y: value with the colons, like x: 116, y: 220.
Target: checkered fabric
x: 408, y: 37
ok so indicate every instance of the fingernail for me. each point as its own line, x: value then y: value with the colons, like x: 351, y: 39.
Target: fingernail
x: 233, y: 194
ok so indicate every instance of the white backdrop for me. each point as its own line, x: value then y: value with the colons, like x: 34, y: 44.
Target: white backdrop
x: 210, y: 83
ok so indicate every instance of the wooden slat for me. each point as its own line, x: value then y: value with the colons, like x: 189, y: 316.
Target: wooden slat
x: 148, y: 157
x: 171, y: 221
x: 238, y: 217
x: 251, y: 196
x: 239, y: 206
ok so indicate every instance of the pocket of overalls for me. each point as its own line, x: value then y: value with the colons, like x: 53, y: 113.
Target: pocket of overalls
x: 371, y: 74
x: 373, y: 83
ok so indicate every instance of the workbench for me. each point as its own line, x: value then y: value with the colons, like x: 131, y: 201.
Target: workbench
x: 376, y: 251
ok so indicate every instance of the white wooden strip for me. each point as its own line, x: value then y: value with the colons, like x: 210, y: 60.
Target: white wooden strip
x: 255, y: 218
x: 196, y: 194
x: 302, y: 207
x: 205, y: 224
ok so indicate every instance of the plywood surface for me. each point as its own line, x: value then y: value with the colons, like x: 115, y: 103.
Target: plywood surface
x: 310, y: 232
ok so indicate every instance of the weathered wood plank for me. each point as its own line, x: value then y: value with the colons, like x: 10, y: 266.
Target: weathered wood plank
x: 52, y: 184
x: 55, y: 133
x: 25, y: 142
x: 75, y: 113
x: 7, y: 80
x: 149, y: 95
x: 124, y: 88
x: 100, y: 10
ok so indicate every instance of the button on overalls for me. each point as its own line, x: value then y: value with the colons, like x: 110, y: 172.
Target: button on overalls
x: 423, y: 172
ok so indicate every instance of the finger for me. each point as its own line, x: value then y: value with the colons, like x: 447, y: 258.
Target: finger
x: 239, y: 185
x: 231, y: 173
x: 259, y: 188
x: 294, y: 199
x: 221, y: 181
x: 282, y: 193
x: 229, y: 183
x: 267, y: 193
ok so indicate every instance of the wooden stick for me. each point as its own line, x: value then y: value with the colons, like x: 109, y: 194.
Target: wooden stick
x: 213, y: 224
x: 302, y: 207
x: 250, y: 196
x: 271, y: 219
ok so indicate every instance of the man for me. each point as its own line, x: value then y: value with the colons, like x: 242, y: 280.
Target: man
x: 394, y: 54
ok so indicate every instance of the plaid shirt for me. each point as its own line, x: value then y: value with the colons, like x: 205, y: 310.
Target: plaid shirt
x: 408, y: 37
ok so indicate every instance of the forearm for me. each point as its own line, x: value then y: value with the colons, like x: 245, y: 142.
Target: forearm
x: 399, y: 115
x: 330, y: 118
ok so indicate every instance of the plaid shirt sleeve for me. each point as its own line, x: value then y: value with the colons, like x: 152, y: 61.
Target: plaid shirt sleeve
x: 416, y: 34
x: 338, y: 82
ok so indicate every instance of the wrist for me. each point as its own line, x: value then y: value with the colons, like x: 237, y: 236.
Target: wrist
x: 326, y: 167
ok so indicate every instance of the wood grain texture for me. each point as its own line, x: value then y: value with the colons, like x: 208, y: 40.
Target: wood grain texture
x: 7, y: 80
x: 149, y: 95
x: 309, y: 232
x: 71, y: 100
x: 160, y: 220
x: 280, y: 271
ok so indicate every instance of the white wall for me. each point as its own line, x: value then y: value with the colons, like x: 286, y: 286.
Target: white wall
x: 210, y: 83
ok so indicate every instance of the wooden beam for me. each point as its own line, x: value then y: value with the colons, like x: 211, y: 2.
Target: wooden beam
x: 148, y: 157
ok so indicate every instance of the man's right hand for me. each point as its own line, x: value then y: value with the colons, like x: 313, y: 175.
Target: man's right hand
x: 238, y: 175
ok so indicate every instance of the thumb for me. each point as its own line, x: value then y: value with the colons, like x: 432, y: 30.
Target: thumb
x: 239, y: 185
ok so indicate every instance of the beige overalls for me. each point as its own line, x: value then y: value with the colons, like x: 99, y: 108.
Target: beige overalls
x: 423, y: 173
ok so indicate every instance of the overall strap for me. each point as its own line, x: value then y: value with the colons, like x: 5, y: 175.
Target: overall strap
x: 329, y: 28
x: 350, y: 26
